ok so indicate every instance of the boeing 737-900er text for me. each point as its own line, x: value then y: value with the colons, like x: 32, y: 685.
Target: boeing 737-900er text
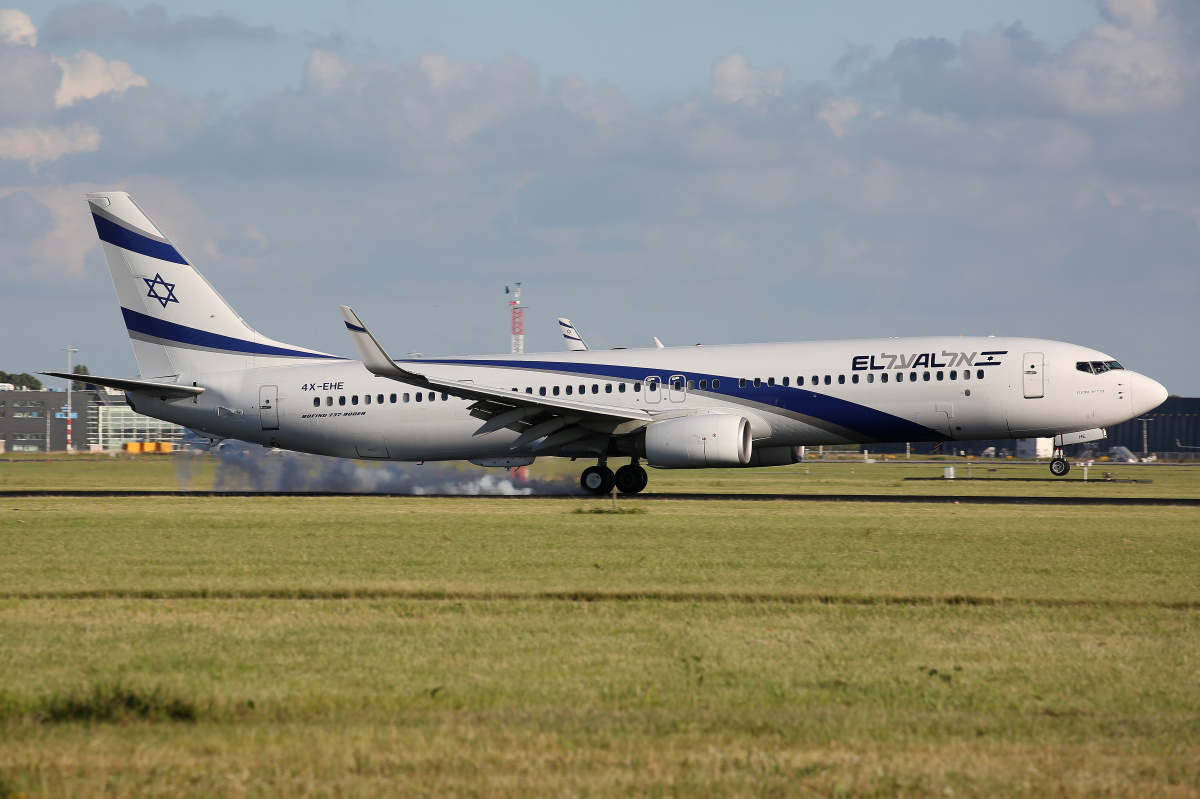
x: 690, y: 407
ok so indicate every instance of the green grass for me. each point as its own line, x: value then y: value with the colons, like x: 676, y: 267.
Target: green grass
x: 367, y: 646
x: 842, y: 476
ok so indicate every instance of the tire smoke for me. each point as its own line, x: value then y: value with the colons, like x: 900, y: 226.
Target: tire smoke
x: 249, y: 468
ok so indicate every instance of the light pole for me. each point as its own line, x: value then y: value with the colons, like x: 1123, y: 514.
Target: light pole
x: 70, y: 444
x: 1144, y: 422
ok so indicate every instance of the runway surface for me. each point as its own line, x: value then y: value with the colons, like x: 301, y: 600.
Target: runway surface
x: 901, y: 498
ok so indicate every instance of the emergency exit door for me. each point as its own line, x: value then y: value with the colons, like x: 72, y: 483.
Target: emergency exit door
x: 1033, y: 378
x: 268, y: 407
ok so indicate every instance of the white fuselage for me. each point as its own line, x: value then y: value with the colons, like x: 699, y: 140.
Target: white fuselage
x: 836, y: 392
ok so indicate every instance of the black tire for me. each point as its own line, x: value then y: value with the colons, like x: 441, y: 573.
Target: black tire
x: 631, y: 479
x: 597, y: 479
x: 1059, y: 467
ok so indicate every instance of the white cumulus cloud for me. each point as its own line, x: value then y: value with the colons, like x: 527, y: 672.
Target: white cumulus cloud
x: 17, y: 28
x: 43, y: 144
x: 87, y: 75
x: 735, y: 81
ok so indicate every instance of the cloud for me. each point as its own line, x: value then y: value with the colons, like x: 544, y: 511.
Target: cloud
x: 735, y: 81
x: 837, y: 112
x: 39, y: 145
x: 100, y: 20
x: 87, y: 75
x: 17, y: 28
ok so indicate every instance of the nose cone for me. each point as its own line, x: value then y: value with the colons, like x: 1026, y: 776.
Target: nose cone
x: 1147, y: 394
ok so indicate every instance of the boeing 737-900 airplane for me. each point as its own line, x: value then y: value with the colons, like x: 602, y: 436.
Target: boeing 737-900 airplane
x: 203, y: 367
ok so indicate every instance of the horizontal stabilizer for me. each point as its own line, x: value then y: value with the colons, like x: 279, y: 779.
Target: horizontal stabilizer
x: 147, y: 387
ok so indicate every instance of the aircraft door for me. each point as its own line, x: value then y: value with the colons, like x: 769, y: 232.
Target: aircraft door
x: 1033, y: 377
x: 677, y: 388
x: 268, y: 407
x: 653, y: 390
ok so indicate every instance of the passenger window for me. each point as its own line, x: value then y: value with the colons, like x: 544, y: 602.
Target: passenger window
x: 716, y: 383
x: 583, y: 389
x: 556, y: 391
x: 966, y: 374
x: 342, y: 400
x: 542, y: 390
x: 841, y: 380
x: 367, y: 398
x: 420, y: 397
x: 637, y: 387
x: 528, y: 389
x: 354, y: 400
x: 953, y: 375
x: 854, y: 378
x: 940, y: 375
x: 595, y: 388
x: 316, y: 402
x: 445, y: 397
x: 978, y: 374
x: 741, y: 382
x: 785, y: 382
x: 621, y: 388
x: 925, y: 376
x: 703, y: 384
x: 379, y: 399
x: 328, y: 401
x: 770, y: 381
x: 828, y: 380
x: 816, y: 380
x: 883, y: 378
x: 432, y: 396
x: 870, y: 377
x: 757, y: 382
x: 568, y: 390
x: 899, y: 377
x: 912, y: 377
x: 608, y: 388
x: 653, y: 386
x: 691, y: 384
x: 800, y: 380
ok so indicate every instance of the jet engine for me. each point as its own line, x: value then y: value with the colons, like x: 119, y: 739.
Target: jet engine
x: 775, y: 456
x: 697, y: 442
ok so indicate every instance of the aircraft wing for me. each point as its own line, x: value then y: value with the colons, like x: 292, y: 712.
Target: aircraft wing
x: 148, y: 387
x: 500, y: 407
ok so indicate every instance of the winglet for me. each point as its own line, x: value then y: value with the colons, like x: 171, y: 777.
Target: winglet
x: 373, y: 356
x: 658, y: 344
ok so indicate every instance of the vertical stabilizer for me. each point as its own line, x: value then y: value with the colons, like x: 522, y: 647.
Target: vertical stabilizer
x: 177, y: 322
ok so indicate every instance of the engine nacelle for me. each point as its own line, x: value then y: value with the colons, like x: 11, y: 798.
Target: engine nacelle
x: 776, y: 456
x: 697, y: 442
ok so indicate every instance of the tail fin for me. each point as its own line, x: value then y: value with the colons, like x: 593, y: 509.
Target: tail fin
x: 575, y: 342
x: 177, y: 322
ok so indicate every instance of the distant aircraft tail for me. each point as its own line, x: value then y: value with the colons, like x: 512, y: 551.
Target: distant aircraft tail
x: 575, y: 342
x: 177, y: 322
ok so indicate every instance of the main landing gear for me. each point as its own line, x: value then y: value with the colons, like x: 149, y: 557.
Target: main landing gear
x: 1059, y: 466
x: 600, y: 479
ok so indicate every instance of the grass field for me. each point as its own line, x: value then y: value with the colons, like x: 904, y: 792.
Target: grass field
x: 366, y: 646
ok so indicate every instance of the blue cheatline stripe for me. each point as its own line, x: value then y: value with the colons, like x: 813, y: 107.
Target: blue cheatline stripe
x: 355, y: 328
x: 169, y: 331
x: 872, y: 424
x: 126, y: 239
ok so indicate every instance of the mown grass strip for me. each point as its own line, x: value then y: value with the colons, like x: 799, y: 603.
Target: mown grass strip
x: 737, y: 597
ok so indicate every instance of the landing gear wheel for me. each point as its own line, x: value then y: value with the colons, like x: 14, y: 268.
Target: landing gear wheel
x: 1059, y: 467
x: 597, y: 479
x: 631, y: 479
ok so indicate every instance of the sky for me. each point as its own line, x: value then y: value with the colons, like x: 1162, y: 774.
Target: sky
x: 696, y: 171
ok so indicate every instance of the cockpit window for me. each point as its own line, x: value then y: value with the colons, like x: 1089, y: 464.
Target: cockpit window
x: 1097, y: 367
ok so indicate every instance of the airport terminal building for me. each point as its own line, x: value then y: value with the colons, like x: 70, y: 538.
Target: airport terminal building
x: 101, y: 419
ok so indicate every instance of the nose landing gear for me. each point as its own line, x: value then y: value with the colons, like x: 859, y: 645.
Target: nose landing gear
x: 1059, y: 466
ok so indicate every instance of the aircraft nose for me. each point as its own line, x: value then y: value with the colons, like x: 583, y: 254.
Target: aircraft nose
x: 1147, y: 394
